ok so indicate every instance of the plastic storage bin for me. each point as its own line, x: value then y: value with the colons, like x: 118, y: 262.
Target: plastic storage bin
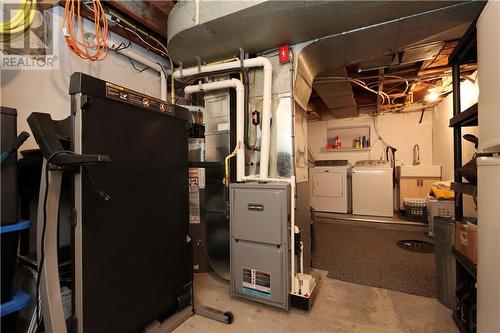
x: 8, y: 174
x: 416, y: 209
x: 438, y: 208
x: 8, y: 310
x: 10, y: 241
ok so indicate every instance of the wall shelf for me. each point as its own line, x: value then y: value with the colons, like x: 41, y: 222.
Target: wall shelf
x: 339, y: 150
x: 465, y: 118
x: 347, y: 135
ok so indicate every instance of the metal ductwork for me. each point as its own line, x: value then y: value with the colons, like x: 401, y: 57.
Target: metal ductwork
x: 214, y: 30
x: 337, y: 96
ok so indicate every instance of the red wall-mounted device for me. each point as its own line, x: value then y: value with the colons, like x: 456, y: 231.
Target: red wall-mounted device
x: 284, y: 54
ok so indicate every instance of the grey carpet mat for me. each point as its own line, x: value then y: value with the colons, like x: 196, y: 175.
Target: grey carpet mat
x: 370, y: 256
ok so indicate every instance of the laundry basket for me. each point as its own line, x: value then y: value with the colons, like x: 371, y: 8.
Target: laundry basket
x: 416, y: 209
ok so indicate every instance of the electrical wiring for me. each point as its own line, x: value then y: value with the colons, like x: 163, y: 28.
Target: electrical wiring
x: 165, y: 52
x: 121, y: 19
x: 96, y: 51
x: 375, y: 126
x: 142, y: 39
x: 122, y: 46
x: 19, y: 24
x: 403, y: 81
x: 140, y: 70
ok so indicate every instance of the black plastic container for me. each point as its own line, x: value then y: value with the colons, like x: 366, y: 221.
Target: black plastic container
x: 8, y: 323
x: 9, y: 242
x: 8, y: 133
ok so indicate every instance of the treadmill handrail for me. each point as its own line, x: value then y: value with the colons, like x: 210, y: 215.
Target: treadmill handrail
x: 48, y: 135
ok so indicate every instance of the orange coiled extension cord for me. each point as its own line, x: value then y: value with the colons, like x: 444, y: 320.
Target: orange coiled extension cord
x: 96, y: 51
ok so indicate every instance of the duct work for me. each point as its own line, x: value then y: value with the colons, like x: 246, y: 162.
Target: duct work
x: 198, y: 28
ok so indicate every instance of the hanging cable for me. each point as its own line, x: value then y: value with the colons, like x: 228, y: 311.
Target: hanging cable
x: 116, y: 18
x: 19, y: 24
x: 96, y: 51
x: 140, y: 70
x: 135, y: 30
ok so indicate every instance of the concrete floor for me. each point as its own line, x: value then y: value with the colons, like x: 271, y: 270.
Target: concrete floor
x: 340, y: 307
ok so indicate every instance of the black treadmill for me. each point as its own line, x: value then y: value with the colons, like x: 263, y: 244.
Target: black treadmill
x: 131, y: 249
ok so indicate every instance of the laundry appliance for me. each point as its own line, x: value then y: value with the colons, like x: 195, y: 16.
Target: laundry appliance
x: 372, y: 188
x: 331, y: 186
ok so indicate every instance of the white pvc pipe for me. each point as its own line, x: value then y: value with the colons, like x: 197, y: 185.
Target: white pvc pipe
x: 291, y: 181
x: 146, y: 62
x: 240, y: 108
x: 267, y: 98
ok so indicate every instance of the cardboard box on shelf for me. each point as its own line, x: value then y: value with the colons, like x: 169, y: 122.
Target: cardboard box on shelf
x: 466, y: 240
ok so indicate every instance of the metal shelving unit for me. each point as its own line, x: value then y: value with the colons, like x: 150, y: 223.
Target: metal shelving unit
x: 465, y: 262
x: 464, y: 314
x: 464, y: 188
x: 465, y: 118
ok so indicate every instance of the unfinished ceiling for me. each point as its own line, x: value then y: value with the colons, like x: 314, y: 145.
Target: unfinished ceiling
x: 148, y: 17
x: 388, y: 65
x: 405, y: 78
x: 152, y: 14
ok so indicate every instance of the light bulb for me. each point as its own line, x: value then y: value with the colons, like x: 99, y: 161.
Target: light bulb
x: 432, y: 96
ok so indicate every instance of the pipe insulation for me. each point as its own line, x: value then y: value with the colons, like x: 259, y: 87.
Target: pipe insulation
x: 240, y: 108
x: 146, y: 62
x: 266, y: 109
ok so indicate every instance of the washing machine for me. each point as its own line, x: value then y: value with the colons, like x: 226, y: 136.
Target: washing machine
x: 331, y: 186
x: 372, y: 189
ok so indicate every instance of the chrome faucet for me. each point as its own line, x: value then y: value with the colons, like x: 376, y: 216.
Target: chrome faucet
x: 416, y: 155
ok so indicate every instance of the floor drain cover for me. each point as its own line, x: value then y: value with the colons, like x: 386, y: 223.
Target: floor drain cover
x: 416, y: 246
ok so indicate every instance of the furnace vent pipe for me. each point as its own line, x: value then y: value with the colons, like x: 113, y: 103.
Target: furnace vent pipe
x: 240, y: 110
x: 267, y: 99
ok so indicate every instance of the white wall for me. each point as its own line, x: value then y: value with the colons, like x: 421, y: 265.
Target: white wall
x: 47, y: 90
x: 443, y: 135
x: 401, y: 131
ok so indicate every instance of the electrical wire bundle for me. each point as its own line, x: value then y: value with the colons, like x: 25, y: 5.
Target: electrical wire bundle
x: 357, y: 82
x: 96, y: 50
x: 108, y: 16
x: 19, y: 24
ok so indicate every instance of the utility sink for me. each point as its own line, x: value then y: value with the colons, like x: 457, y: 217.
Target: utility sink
x: 419, y: 171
